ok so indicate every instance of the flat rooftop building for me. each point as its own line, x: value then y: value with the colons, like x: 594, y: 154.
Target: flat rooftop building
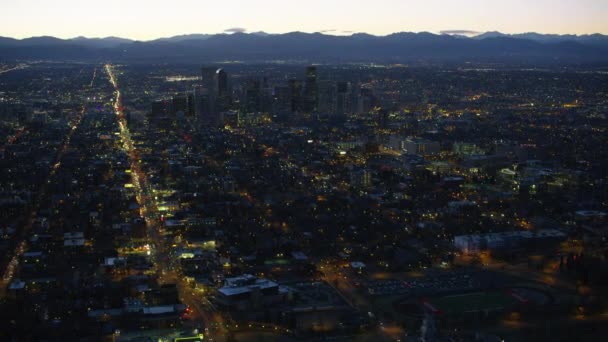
x: 493, y: 241
x: 247, y: 291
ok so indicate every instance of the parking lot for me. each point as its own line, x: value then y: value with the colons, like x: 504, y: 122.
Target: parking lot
x: 455, y: 281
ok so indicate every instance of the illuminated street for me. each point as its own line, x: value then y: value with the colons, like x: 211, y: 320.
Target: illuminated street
x: 165, y: 269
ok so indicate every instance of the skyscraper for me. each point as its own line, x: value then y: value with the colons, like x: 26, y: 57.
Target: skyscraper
x: 326, y: 98
x: 252, y: 96
x: 213, y: 98
x: 191, y: 105
x: 221, y: 86
x: 282, y: 102
x: 343, y: 105
x: 204, y: 106
x: 209, y: 79
x: 295, y: 87
x: 221, y: 78
x: 311, y: 90
x: 179, y: 104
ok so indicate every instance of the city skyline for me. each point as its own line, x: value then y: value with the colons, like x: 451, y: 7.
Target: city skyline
x: 273, y: 170
x: 139, y: 21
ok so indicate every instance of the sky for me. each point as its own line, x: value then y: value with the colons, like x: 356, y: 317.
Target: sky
x: 150, y: 19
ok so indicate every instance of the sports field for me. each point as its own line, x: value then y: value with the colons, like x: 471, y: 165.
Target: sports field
x: 478, y: 301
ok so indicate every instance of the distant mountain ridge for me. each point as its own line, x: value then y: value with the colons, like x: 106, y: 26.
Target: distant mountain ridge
x: 48, y: 40
x: 106, y: 42
x: 316, y: 47
x: 595, y: 38
x: 183, y: 37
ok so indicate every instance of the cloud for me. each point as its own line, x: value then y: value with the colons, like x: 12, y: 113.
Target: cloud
x: 460, y: 32
x: 235, y: 30
x: 334, y: 31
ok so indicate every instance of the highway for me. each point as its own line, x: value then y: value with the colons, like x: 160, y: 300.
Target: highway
x: 18, y: 67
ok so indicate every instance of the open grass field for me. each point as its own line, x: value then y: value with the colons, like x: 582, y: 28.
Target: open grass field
x: 477, y: 301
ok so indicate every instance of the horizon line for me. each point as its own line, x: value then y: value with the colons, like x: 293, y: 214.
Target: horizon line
x: 322, y: 32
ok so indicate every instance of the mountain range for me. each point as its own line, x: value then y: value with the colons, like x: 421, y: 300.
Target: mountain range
x: 400, y: 47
